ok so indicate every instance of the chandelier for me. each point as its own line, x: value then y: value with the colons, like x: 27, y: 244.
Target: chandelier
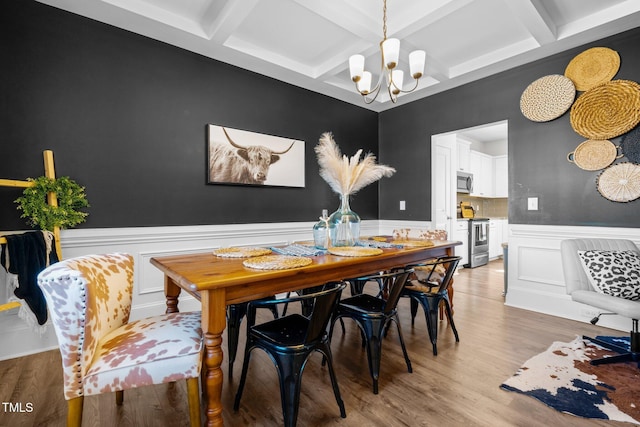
x: 390, y: 52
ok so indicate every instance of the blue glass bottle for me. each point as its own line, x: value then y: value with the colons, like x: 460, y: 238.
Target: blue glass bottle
x: 321, y: 231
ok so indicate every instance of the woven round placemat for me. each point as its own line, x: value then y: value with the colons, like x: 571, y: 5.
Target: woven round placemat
x: 620, y: 182
x: 631, y: 145
x: 547, y: 98
x: 354, y: 251
x: 592, y: 155
x: 593, y: 67
x: 277, y: 262
x: 607, y: 111
x: 240, y: 252
x: 413, y: 243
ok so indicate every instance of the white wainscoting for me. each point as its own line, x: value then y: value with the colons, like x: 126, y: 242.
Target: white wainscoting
x: 536, y: 280
x: 535, y: 271
x: 145, y: 243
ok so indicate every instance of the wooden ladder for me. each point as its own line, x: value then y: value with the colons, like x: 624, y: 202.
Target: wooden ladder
x: 52, y: 200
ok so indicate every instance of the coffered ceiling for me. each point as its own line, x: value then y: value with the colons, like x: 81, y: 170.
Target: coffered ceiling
x: 307, y: 43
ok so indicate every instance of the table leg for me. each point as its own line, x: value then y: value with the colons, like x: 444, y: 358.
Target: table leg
x: 171, y: 292
x: 213, y: 324
x: 451, y: 251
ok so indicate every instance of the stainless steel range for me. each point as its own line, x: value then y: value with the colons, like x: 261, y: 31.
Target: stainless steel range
x: 478, y: 242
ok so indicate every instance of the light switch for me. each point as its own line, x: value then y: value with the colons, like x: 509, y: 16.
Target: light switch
x: 403, y: 205
x: 532, y: 203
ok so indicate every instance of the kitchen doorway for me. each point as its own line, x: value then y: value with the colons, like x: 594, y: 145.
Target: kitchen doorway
x: 482, y: 152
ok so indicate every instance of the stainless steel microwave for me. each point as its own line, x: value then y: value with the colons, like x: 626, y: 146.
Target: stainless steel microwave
x: 464, y: 182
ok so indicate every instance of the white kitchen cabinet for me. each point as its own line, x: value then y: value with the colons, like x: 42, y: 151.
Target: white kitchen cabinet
x: 481, y: 166
x: 500, y: 176
x: 462, y: 234
x: 498, y: 234
x: 464, y: 151
x: 494, y: 239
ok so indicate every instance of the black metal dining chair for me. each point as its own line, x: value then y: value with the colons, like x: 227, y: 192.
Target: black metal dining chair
x: 430, y: 291
x: 235, y: 314
x: 289, y: 341
x: 373, y: 315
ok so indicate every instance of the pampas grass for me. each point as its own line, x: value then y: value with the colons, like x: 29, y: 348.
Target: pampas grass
x: 347, y: 175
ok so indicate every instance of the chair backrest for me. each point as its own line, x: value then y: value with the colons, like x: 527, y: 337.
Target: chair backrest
x: 87, y: 297
x: 433, y: 234
x: 324, y: 300
x: 574, y: 275
x: 450, y: 263
x: 392, y: 282
x: 325, y: 303
x: 409, y: 233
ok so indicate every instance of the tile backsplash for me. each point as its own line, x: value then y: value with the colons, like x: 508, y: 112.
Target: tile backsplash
x: 486, y: 208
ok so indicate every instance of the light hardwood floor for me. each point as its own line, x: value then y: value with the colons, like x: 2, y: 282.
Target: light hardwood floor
x: 459, y: 387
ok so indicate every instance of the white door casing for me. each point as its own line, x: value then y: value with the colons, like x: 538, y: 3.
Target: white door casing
x: 443, y: 156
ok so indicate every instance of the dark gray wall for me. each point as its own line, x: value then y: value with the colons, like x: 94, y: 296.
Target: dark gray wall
x: 126, y: 115
x: 537, y: 151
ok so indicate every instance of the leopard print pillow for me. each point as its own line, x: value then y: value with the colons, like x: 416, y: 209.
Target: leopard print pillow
x: 615, y: 273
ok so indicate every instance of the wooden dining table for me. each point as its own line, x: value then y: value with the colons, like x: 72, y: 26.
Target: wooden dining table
x: 218, y: 282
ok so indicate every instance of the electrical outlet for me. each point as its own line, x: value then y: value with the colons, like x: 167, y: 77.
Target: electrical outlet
x: 403, y: 205
x: 532, y: 203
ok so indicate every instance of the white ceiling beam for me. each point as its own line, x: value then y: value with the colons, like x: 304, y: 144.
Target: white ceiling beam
x: 222, y: 21
x: 425, y: 14
x: 620, y: 12
x: 533, y: 15
x: 494, y: 57
x: 347, y: 16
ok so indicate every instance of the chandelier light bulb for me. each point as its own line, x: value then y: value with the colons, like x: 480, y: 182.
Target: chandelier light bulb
x: 364, y: 85
x: 390, y: 53
x: 416, y: 63
x: 356, y: 67
x: 397, y: 76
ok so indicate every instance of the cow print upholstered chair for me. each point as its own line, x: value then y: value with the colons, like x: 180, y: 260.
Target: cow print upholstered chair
x: 89, y: 301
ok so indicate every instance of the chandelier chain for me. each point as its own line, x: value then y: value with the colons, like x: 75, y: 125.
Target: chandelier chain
x: 384, y: 20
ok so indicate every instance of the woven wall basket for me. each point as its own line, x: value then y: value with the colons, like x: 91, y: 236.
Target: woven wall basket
x: 593, y: 155
x: 593, y: 67
x: 620, y: 182
x: 631, y: 145
x: 607, y: 111
x: 547, y: 98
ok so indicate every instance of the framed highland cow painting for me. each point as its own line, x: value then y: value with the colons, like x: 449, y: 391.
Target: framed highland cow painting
x: 247, y: 158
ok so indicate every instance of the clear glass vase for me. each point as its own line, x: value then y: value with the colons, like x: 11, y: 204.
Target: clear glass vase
x: 344, y: 225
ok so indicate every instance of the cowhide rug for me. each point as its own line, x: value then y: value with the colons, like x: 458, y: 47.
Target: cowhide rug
x: 563, y: 379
